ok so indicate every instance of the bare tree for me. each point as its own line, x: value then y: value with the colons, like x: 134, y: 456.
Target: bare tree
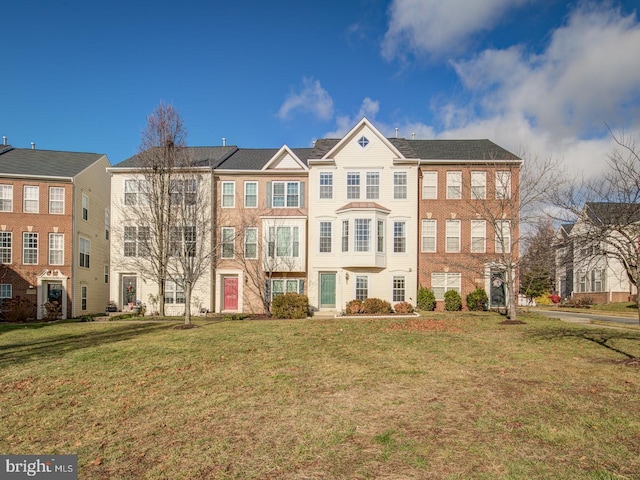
x: 606, y: 212
x: 537, y: 265
x: 190, y: 249
x: 512, y: 214
x: 146, y: 206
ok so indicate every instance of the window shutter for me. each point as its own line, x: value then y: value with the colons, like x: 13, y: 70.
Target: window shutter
x: 301, y: 287
x: 301, y: 194
x: 268, y: 194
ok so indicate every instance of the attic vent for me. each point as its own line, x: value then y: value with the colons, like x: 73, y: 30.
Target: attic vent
x: 363, y: 142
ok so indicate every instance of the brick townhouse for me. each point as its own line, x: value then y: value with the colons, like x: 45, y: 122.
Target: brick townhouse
x: 54, y: 228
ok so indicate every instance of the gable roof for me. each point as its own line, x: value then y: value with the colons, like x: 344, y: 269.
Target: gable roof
x: 258, y: 158
x: 27, y: 162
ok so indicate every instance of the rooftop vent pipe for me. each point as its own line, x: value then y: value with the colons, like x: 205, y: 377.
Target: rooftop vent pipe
x: 224, y: 141
x: 413, y: 136
x: 396, y: 133
x: 33, y: 145
x: 4, y: 139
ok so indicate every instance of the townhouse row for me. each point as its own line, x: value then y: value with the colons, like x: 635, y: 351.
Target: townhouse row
x: 349, y: 218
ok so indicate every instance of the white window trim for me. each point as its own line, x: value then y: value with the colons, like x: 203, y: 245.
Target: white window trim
x: 232, y: 242
x: 321, y: 186
x: 286, y: 193
x: 249, y: 182
x: 233, y: 195
x: 24, y: 248
x: 458, y: 183
x: 51, y: 200
x: 447, y: 281
x: 483, y: 236
x: 435, y: 235
x: 401, y: 174
x: 7, y: 188
x: 429, y: 173
x: 25, y: 199
x: 246, y: 236
x: 482, y: 184
x: 56, y: 235
x: 448, y: 234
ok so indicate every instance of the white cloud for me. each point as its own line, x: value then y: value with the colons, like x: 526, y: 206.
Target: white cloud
x: 312, y: 98
x: 438, y: 27
x: 369, y: 109
x: 587, y: 76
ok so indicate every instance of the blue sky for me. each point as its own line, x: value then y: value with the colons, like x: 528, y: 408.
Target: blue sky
x: 540, y: 76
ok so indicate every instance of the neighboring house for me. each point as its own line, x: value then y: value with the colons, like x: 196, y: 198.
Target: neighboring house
x: 363, y: 220
x: 604, y: 237
x: 261, y: 207
x: 563, y: 245
x: 468, y: 211
x: 130, y: 280
x: 55, y: 228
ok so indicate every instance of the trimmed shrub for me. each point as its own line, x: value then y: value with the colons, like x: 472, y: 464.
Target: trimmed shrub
x: 452, y: 301
x: 354, y: 307
x: 477, y: 300
x: 17, y: 309
x: 403, y: 307
x: 290, y: 305
x: 543, y: 300
x: 426, y: 299
x: 376, y: 306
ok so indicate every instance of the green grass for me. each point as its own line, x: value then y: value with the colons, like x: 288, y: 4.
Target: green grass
x: 450, y: 396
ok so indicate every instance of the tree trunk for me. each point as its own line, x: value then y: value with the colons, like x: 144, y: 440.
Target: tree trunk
x: 187, y: 303
x: 511, y: 295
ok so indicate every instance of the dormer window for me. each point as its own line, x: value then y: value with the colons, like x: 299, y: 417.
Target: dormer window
x: 363, y: 142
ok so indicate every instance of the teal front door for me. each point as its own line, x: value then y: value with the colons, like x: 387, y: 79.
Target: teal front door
x: 327, y: 290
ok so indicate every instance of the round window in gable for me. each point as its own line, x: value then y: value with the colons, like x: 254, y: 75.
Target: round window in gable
x: 363, y: 142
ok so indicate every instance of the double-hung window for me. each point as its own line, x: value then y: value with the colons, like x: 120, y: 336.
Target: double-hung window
x: 251, y: 243
x: 503, y: 236
x: 131, y: 192
x: 398, y: 289
x: 478, y: 236
x: 345, y: 235
x: 250, y: 194
x: 399, y: 185
x: 325, y: 237
x: 228, y: 194
x: 373, y: 185
x: 284, y: 242
x: 29, y: 248
x: 56, y: 249
x: 428, y: 236
x: 362, y: 287
x: 478, y: 185
x: 85, y: 252
x: 429, y: 185
x: 399, y: 237
x: 362, y: 234
x: 83, y: 297
x: 6, y: 290
x: 6, y: 198
x: 56, y: 200
x: 503, y: 185
x: 454, y: 185
x: 288, y: 285
x: 31, y: 201
x: 5, y: 247
x: 453, y: 236
x: 326, y: 185
x: 85, y: 207
x: 353, y: 185
x: 228, y: 241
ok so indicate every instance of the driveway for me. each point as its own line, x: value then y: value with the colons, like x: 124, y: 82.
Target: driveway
x: 584, y: 317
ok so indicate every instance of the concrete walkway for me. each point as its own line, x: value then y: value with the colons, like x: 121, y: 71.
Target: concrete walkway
x: 585, y: 316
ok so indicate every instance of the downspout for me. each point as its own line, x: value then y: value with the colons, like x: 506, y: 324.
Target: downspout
x: 73, y: 248
x: 214, y: 236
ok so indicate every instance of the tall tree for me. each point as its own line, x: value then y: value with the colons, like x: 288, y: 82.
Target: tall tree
x: 147, y: 202
x: 537, y: 265
x: 606, y: 210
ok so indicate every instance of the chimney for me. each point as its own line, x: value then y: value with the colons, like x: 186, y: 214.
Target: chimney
x: 224, y: 141
x: 4, y: 140
x: 33, y: 145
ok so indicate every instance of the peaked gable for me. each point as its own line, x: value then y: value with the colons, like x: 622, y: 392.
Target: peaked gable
x: 285, y: 159
x: 362, y: 137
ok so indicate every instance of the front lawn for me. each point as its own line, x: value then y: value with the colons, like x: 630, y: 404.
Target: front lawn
x: 451, y: 396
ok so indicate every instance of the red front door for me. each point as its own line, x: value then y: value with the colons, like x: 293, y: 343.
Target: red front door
x: 231, y: 293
